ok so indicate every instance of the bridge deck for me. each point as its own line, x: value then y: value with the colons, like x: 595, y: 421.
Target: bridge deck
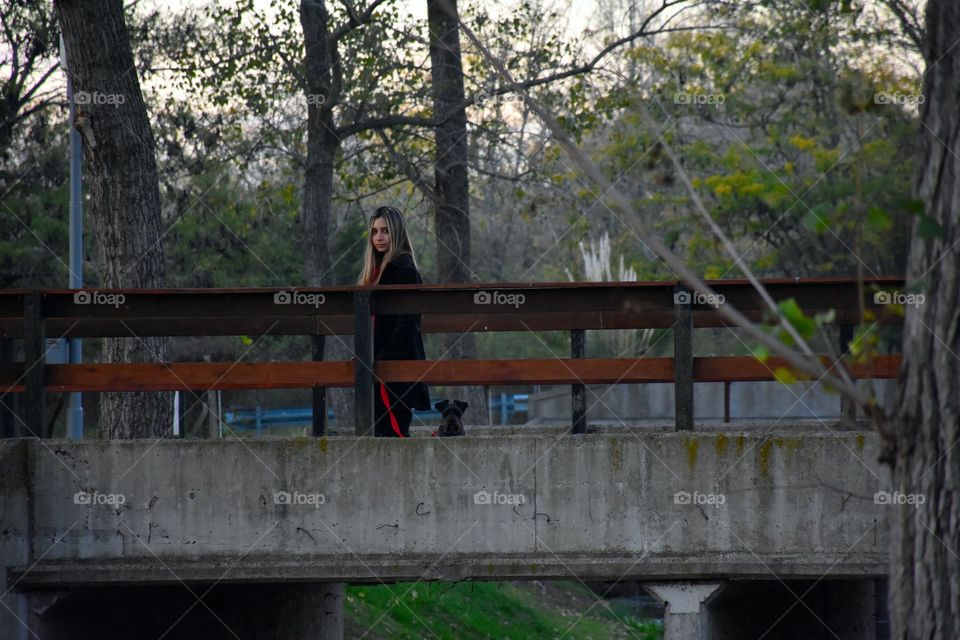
x: 628, y: 503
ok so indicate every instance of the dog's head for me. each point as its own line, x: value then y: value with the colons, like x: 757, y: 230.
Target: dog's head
x: 451, y: 418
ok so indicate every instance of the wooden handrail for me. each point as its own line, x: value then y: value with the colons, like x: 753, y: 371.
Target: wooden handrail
x: 34, y: 315
x: 205, y: 376
x: 445, y: 308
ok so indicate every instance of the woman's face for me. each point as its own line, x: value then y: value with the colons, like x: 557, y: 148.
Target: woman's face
x: 379, y: 235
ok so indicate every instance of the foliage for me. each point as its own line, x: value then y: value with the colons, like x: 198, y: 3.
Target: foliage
x: 479, y: 610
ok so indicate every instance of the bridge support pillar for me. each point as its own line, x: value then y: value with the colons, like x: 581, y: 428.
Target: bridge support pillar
x: 685, y: 617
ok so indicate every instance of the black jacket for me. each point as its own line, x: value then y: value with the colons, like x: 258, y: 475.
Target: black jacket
x: 397, y: 337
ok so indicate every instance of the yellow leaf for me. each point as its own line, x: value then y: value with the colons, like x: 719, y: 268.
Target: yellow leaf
x: 803, y: 143
x: 784, y: 375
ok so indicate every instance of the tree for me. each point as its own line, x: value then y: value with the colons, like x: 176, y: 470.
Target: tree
x: 124, y: 193
x: 925, y: 430
x: 452, y: 207
x: 28, y: 60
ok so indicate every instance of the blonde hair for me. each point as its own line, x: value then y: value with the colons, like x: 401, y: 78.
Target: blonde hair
x: 399, y: 244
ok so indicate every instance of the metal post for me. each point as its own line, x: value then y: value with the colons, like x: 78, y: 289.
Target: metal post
x: 726, y: 400
x: 176, y: 415
x: 319, y: 392
x: 848, y: 409
x: 34, y: 355
x: 7, y: 427
x: 683, y: 357
x: 488, y: 398
x: 363, y: 362
x: 578, y: 392
x: 75, y: 411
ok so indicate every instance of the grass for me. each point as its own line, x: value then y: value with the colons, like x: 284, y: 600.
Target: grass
x: 488, y: 610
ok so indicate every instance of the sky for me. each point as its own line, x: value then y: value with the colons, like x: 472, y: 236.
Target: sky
x: 579, y: 12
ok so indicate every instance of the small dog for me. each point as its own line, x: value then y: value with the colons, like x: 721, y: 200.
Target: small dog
x: 451, y: 420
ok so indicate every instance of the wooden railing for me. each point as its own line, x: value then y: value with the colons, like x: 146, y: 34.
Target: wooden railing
x: 34, y: 315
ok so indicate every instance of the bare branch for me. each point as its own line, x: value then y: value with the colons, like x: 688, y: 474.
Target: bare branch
x: 909, y: 21
x: 385, y: 122
x: 412, y: 173
x: 354, y: 20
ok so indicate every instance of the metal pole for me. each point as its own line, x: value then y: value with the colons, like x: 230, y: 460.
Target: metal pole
x: 683, y: 357
x: 578, y: 392
x: 75, y: 412
x: 363, y: 384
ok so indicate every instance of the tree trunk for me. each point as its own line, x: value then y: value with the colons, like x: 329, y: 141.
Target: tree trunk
x: 452, y: 213
x: 925, y: 553
x: 323, y: 145
x: 124, y: 192
x: 322, y: 140
x: 452, y: 187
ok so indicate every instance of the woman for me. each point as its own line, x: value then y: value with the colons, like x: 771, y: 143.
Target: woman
x: 389, y: 259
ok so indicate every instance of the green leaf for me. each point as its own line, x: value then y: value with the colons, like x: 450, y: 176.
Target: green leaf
x: 914, y: 206
x: 929, y: 229
x: 878, y: 219
x: 794, y: 315
x: 761, y: 353
x: 816, y: 218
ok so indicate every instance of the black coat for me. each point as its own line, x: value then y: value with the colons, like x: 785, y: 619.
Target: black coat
x: 397, y: 337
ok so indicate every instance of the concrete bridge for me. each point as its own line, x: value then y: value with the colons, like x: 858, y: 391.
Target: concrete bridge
x: 752, y: 531
x: 693, y: 515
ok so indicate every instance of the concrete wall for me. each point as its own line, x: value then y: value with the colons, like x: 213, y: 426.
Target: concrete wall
x: 598, y: 506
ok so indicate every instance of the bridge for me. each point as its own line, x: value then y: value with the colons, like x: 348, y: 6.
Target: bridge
x: 738, y: 530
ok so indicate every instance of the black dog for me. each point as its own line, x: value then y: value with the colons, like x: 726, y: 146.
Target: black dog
x: 451, y: 420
